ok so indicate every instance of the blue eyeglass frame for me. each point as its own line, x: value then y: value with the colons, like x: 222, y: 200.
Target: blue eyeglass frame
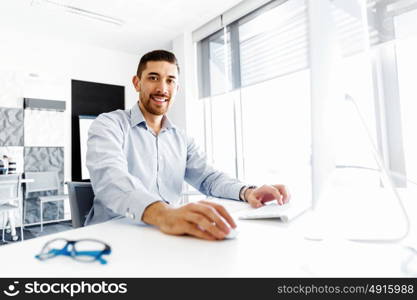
x: 70, y: 250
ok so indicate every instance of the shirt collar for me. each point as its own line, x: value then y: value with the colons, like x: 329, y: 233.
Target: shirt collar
x: 137, y: 118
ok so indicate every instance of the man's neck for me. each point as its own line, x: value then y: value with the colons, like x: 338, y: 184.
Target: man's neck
x: 153, y: 121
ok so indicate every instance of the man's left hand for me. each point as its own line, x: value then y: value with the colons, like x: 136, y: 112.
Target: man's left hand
x: 258, y: 196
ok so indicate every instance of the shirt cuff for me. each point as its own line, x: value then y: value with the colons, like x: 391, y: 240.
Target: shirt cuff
x: 138, y: 201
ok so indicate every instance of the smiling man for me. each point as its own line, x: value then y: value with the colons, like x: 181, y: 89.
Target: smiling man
x: 138, y: 161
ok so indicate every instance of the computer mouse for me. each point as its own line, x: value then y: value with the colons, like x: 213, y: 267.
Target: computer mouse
x: 232, y: 234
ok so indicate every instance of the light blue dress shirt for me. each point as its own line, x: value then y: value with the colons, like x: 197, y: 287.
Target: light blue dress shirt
x: 131, y: 167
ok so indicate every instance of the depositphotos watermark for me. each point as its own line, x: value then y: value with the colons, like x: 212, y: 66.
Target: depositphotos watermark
x: 74, y: 288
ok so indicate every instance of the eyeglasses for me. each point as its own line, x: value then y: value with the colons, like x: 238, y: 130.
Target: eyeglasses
x: 85, y: 250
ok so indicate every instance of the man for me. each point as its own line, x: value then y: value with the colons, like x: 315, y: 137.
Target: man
x: 138, y: 161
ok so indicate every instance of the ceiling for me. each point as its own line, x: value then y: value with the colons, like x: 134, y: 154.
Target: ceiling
x: 147, y: 24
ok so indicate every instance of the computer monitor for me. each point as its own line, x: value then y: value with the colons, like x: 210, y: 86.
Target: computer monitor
x: 360, y: 202
x: 357, y: 198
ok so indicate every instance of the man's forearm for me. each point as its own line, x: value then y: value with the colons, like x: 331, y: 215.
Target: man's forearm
x: 155, y: 212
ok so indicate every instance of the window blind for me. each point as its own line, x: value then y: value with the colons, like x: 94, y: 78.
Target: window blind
x: 349, y: 27
x: 269, y: 42
x: 274, y: 43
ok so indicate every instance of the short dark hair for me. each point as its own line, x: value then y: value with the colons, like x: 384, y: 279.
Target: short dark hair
x: 156, y: 55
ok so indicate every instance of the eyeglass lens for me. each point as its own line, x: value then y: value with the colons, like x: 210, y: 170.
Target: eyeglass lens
x: 82, y: 250
x: 88, y: 250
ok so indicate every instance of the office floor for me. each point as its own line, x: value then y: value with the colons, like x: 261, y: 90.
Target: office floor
x: 34, y: 231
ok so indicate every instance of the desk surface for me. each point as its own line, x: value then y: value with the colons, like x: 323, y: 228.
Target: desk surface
x: 263, y: 248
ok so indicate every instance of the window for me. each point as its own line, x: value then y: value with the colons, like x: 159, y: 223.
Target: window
x: 276, y: 132
x: 254, y: 80
x: 215, y: 65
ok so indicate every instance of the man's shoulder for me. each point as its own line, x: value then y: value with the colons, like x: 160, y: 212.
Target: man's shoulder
x: 117, y: 121
x: 119, y: 117
x: 180, y: 131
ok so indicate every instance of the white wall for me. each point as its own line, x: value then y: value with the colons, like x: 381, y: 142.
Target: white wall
x: 55, y: 62
x: 184, y: 51
x: 188, y: 110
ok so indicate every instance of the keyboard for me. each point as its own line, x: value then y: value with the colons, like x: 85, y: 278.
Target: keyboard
x: 271, y: 210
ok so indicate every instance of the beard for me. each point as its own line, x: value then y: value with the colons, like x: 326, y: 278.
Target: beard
x: 151, y: 107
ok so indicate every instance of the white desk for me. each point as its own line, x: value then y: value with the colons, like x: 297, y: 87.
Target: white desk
x: 266, y: 248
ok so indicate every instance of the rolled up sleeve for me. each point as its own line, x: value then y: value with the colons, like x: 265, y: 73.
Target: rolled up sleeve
x: 113, y: 185
x: 206, y: 179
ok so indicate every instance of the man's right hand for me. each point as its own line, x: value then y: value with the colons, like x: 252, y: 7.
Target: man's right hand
x: 201, y: 219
